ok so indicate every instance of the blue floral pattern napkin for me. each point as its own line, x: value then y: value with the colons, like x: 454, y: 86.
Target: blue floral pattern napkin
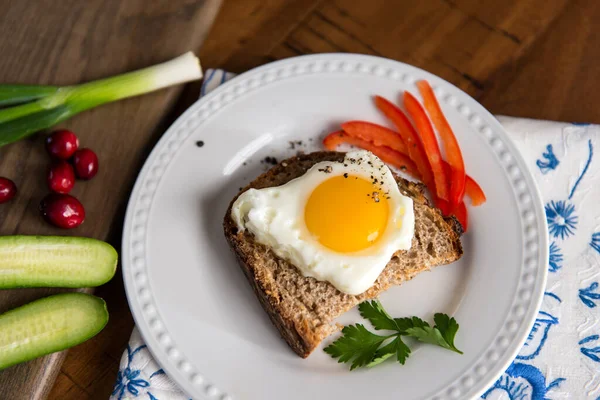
x: 561, y: 357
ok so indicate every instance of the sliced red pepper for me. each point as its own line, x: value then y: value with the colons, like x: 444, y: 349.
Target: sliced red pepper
x: 376, y: 134
x: 474, y: 191
x: 453, y: 153
x: 472, y: 188
x: 430, y: 144
x: 461, y: 214
x: 410, y: 137
x: 335, y: 139
x: 460, y: 211
x: 443, y: 205
x: 387, y: 155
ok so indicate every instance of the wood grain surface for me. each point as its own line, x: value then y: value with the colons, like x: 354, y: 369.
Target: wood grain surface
x: 526, y: 58
x: 71, y: 41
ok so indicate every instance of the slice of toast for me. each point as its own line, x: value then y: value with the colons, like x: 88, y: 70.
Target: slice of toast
x: 303, y: 308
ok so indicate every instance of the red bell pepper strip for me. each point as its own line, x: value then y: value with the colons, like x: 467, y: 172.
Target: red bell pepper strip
x: 443, y: 205
x: 453, y: 153
x: 430, y: 144
x: 460, y: 212
x: 376, y: 134
x: 462, y: 216
x: 472, y: 188
x: 387, y: 155
x: 474, y: 191
x: 410, y: 137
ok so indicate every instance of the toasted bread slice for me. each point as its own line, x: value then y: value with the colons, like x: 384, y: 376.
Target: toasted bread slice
x: 303, y: 308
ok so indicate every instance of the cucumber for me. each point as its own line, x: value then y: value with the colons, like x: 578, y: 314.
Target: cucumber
x: 55, y: 261
x: 48, y: 325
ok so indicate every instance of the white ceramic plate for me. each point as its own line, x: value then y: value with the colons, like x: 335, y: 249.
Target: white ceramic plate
x: 199, y: 316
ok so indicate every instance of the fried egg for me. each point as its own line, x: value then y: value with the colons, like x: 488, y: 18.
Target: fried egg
x: 340, y: 222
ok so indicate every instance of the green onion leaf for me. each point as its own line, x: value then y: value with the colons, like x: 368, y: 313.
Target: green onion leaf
x: 17, y: 94
x: 20, y: 128
x: 8, y: 114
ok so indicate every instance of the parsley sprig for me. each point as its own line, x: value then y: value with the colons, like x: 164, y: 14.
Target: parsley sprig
x: 363, y: 348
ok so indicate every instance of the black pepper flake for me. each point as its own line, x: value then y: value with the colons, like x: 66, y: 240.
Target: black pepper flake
x: 376, y: 197
x: 345, y: 165
x: 294, y: 143
x: 199, y: 143
x: 326, y: 170
x: 245, y: 163
x: 240, y: 189
x: 269, y: 160
x: 346, y: 175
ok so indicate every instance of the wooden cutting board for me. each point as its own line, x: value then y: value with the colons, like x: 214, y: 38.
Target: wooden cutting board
x: 72, y: 41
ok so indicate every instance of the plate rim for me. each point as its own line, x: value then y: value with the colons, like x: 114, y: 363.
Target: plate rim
x: 535, y: 251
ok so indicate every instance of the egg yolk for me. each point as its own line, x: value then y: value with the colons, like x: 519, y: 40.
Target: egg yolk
x: 347, y: 213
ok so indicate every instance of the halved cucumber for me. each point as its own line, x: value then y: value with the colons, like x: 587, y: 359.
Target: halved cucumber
x: 48, y: 325
x: 55, y: 261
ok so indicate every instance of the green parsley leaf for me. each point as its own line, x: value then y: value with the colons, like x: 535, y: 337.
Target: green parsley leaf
x: 402, y: 351
x: 434, y: 335
x: 373, y: 312
x: 428, y: 335
x: 405, y: 323
x: 383, y: 353
x: 357, y: 345
x: 360, y: 347
x: 395, y: 347
x: 448, y: 328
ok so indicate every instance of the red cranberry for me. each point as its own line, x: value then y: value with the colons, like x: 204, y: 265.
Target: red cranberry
x: 62, y: 144
x: 86, y: 163
x: 61, y: 177
x: 8, y: 190
x: 62, y: 210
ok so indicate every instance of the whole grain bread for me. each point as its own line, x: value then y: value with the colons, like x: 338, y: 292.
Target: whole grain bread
x: 302, y: 308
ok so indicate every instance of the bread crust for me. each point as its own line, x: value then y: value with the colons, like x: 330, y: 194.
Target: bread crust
x: 302, y: 318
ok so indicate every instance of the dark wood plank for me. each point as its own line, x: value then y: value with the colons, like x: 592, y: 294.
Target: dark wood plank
x: 69, y: 390
x: 68, y: 42
x: 464, y: 42
x: 246, y: 31
x: 558, y: 79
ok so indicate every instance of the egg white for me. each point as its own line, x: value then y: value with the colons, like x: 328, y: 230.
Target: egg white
x: 275, y: 216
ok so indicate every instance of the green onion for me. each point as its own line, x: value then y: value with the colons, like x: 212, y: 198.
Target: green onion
x: 15, y: 94
x: 46, y: 106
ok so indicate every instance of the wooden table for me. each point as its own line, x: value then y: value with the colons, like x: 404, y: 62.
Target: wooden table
x: 526, y: 58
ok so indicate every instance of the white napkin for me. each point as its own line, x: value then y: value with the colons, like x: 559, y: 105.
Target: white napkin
x: 561, y: 358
